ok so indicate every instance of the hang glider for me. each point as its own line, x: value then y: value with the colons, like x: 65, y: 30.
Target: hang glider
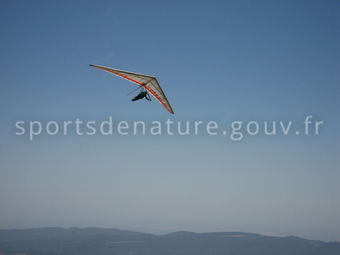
x: 149, y: 83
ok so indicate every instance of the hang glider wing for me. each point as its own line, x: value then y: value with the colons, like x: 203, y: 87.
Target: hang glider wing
x: 150, y: 83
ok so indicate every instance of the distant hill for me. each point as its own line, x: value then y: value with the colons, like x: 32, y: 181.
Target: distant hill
x: 102, y: 241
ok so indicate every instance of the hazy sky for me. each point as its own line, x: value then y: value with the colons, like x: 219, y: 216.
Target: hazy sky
x: 216, y: 60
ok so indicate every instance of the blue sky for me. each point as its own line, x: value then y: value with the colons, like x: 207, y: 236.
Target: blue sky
x: 216, y: 60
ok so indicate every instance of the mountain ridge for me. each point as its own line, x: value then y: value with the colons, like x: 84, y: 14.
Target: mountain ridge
x: 112, y: 241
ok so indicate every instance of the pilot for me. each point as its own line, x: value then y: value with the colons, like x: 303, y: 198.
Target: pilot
x: 141, y: 95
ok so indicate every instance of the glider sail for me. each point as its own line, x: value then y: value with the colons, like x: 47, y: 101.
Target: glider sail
x: 149, y: 83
